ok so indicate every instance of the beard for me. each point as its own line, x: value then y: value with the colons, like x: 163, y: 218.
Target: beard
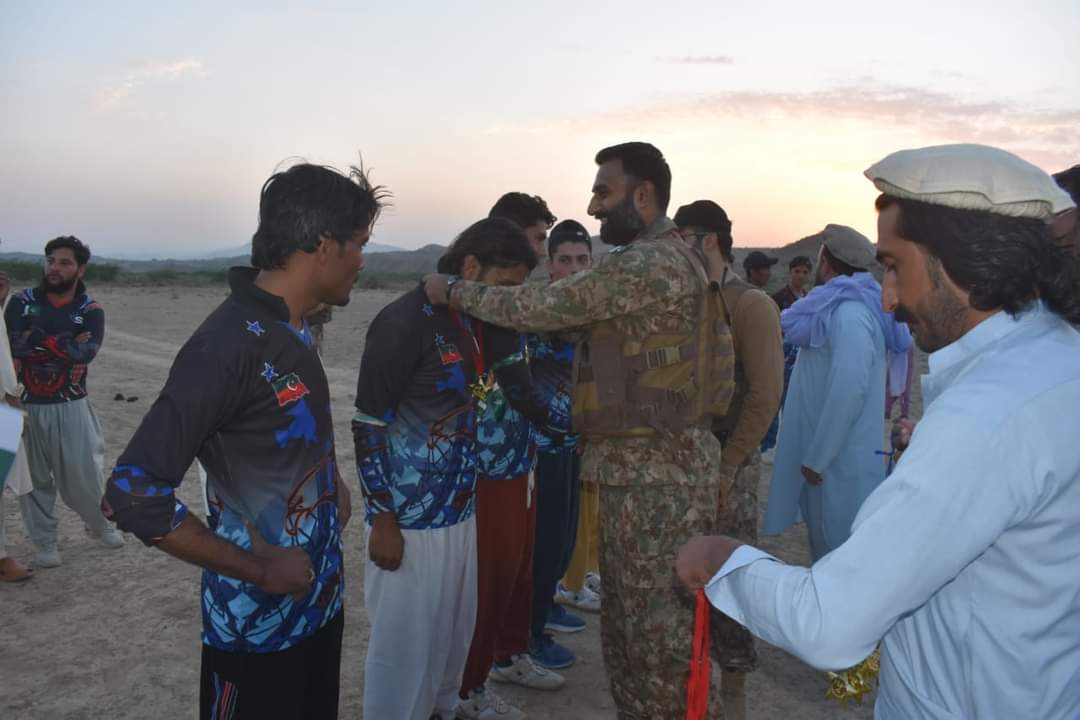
x: 622, y: 223
x: 940, y: 319
x: 57, y: 287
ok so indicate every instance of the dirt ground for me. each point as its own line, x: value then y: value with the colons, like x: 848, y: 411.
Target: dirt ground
x: 116, y: 633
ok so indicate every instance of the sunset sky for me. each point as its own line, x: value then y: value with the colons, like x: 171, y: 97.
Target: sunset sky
x: 147, y: 129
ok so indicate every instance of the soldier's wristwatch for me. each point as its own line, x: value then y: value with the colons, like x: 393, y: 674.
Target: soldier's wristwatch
x: 450, y: 286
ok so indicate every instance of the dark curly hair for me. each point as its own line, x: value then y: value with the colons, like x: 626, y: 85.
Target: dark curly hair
x: 524, y: 209
x: 78, y: 248
x: 494, y: 242
x: 1000, y: 261
x: 299, y: 205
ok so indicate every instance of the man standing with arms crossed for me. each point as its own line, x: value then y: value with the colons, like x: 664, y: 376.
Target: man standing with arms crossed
x: 248, y: 397
x: 656, y: 464
x: 56, y: 330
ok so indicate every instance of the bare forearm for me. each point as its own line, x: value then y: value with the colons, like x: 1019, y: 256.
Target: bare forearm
x: 192, y: 542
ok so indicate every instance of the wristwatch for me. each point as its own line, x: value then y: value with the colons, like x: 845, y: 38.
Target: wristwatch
x: 450, y: 287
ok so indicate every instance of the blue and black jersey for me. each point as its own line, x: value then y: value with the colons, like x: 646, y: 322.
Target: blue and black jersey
x: 248, y: 397
x: 53, y: 345
x: 505, y: 439
x: 416, y: 424
x: 552, y: 362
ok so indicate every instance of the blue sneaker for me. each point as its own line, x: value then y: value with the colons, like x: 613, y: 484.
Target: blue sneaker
x: 549, y: 654
x: 562, y: 620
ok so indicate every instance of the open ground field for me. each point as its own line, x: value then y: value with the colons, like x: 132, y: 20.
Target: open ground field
x: 115, y: 634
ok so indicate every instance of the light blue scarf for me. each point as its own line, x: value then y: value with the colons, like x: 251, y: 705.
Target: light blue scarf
x: 806, y: 323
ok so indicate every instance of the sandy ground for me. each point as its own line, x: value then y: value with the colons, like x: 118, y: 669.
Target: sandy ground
x: 116, y: 633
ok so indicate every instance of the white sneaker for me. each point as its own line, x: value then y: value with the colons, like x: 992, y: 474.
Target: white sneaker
x: 111, y: 538
x: 486, y: 705
x: 47, y: 558
x: 586, y: 600
x: 592, y: 581
x: 523, y: 671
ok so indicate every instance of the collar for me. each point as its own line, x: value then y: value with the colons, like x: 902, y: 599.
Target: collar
x: 950, y: 362
x: 661, y: 226
x: 246, y: 292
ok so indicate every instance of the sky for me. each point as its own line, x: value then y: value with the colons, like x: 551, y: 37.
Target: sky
x: 147, y: 129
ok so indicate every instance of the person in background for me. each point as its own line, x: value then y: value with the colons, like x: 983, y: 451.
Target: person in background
x: 757, y: 267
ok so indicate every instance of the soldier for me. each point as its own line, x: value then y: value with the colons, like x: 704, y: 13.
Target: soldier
x: 759, y: 380
x: 654, y: 360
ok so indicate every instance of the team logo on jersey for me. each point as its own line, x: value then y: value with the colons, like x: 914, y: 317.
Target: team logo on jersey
x: 289, y: 389
x: 31, y: 310
x: 449, y: 354
x: 77, y: 319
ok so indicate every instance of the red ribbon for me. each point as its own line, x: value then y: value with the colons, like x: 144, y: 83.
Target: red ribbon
x: 697, y: 687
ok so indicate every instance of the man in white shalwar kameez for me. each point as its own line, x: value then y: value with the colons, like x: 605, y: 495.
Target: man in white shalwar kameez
x: 17, y: 482
x: 963, y: 564
x: 829, y: 454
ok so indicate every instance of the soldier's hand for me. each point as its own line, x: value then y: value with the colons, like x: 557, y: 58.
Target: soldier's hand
x: 386, y: 545
x: 283, y: 571
x: 344, y: 500
x: 812, y: 476
x: 700, y: 559
x: 727, y: 481
x: 437, y: 289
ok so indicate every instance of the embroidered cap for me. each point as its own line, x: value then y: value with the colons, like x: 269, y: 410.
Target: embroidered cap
x: 970, y: 177
x: 849, y: 246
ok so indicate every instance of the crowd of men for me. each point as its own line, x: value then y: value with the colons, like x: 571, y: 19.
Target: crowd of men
x: 518, y: 439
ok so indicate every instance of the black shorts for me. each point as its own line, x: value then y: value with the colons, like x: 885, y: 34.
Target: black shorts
x: 300, y: 683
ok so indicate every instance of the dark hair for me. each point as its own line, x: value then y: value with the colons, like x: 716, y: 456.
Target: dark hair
x: 839, y: 266
x: 642, y: 161
x: 494, y: 242
x: 568, y: 231
x: 300, y: 205
x: 524, y: 209
x: 72, y: 243
x: 800, y: 261
x: 1000, y: 261
x: 1069, y: 181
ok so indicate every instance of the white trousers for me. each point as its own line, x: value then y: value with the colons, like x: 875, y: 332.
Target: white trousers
x: 422, y: 617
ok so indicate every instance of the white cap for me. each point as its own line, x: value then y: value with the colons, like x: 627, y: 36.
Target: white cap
x: 971, y: 177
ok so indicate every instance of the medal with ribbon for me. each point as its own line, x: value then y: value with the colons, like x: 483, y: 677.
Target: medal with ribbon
x: 484, y: 384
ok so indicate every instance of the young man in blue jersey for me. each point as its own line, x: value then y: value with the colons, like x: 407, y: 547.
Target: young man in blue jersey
x: 426, y: 374
x: 247, y: 397
x: 56, y: 330
x: 558, y: 466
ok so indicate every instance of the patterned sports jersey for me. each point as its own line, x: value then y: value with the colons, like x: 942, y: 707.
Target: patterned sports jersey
x: 53, y: 345
x: 552, y: 362
x: 415, y: 427
x: 248, y: 397
x: 504, y: 436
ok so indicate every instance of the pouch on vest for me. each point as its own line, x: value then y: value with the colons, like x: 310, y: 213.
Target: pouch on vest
x: 662, y: 382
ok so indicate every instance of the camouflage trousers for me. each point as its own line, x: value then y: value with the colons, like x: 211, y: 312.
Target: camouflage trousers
x: 739, y: 519
x: 647, y: 621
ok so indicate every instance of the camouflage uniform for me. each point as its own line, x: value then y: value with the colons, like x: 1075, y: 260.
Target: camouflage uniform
x: 655, y: 491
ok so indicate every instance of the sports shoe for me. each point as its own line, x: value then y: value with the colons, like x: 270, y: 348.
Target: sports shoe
x: 562, y: 620
x: 47, y: 558
x: 111, y: 538
x: 484, y: 704
x: 592, y: 582
x: 549, y: 654
x: 586, y: 599
x: 523, y: 671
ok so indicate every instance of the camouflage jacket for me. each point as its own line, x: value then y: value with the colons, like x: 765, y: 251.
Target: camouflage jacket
x: 645, y: 287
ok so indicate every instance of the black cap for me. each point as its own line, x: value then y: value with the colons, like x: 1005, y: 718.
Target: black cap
x: 568, y: 231
x: 704, y: 214
x: 800, y: 261
x: 758, y: 260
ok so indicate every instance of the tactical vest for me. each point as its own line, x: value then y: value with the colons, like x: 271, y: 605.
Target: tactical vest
x: 664, y: 382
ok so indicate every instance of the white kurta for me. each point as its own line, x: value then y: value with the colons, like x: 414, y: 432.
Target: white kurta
x: 833, y: 422
x: 18, y: 478
x: 965, y: 563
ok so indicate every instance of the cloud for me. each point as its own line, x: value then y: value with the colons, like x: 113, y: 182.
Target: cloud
x: 137, y: 78
x: 703, y: 60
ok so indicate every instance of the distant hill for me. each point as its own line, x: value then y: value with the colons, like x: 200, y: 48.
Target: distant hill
x: 245, y: 249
